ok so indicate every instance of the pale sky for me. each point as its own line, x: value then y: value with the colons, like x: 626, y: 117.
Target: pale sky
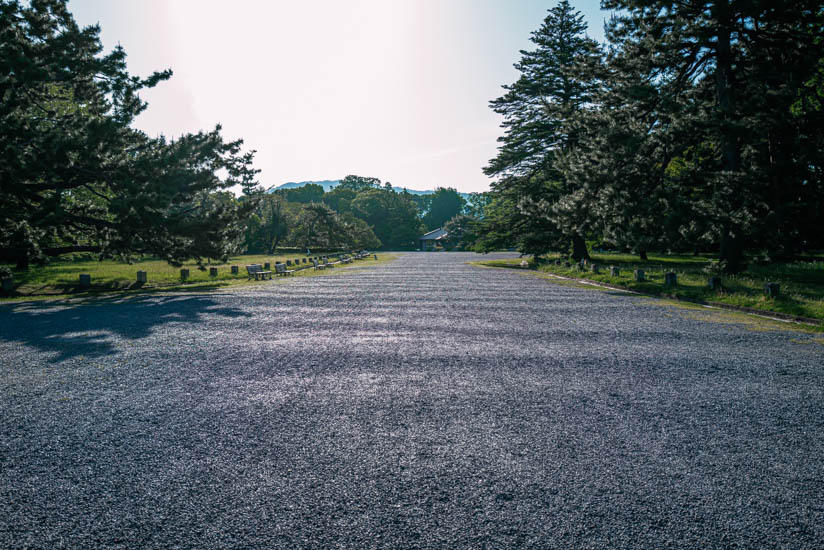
x: 393, y: 89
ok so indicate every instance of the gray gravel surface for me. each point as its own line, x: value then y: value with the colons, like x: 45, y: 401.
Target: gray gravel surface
x: 423, y: 403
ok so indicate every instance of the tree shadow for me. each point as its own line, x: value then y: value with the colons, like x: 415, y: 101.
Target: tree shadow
x: 91, y: 328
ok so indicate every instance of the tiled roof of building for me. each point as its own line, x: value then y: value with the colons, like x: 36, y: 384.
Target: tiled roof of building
x: 434, y: 235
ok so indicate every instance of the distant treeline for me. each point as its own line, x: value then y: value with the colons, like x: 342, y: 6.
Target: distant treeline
x: 360, y: 212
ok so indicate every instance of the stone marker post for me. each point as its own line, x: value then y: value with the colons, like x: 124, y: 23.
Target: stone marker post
x: 8, y: 284
x: 714, y: 283
x: 212, y: 272
x: 85, y: 280
x: 184, y: 274
x: 288, y: 262
x: 614, y: 271
x: 267, y: 266
x: 595, y: 268
x: 639, y: 275
x: 773, y: 290
x: 141, y: 277
x: 235, y: 269
x: 670, y: 279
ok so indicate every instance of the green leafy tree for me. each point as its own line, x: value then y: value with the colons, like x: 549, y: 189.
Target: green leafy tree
x: 74, y: 174
x: 461, y: 232
x: 311, y: 192
x: 359, y: 183
x: 319, y: 227
x: 392, y: 216
x: 340, y: 199
x: 444, y: 204
x: 269, y: 225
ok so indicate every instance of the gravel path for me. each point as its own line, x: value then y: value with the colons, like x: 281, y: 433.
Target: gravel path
x: 423, y: 403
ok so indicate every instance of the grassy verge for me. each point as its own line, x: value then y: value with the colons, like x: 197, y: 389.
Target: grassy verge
x: 802, y: 283
x: 61, y: 278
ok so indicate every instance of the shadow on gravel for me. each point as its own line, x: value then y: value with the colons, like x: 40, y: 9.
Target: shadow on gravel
x: 90, y: 328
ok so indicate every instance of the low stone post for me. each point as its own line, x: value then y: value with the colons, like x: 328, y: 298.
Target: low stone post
x: 184, y: 274
x: 595, y: 268
x: 235, y: 269
x: 288, y: 262
x: 773, y: 290
x: 212, y: 272
x: 614, y: 271
x: 557, y: 262
x: 714, y: 283
x: 141, y: 277
x: 85, y: 280
x: 8, y: 284
x: 670, y: 279
x: 304, y: 260
x: 639, y: 275
x: 297, y: 261
x: 267, y: 266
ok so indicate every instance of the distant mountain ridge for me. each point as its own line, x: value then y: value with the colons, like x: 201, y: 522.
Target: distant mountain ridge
x: 328, y: 185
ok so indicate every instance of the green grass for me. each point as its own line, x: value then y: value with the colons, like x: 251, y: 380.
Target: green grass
x: 802, y: 283
x: 60, y: 278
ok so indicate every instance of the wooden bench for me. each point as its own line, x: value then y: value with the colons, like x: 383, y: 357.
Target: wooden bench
x: 256, y: 271
x: 280, y: 269
x: 317, y: 265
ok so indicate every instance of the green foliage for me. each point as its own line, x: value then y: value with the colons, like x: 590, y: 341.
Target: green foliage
x: 537, y: 109
x: 74, y: 174
x: 311, y: 192
x: 444, y: 204
x: 359, y: 183
x: 392, y: 216
x: 698, y: 126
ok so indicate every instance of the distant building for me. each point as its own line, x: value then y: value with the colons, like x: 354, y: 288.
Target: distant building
x: 433, y: 240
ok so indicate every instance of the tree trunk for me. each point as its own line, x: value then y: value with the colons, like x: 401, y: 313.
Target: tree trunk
x: 579, y: 248
x: 23, y: 261
x: 731, y: 253
x: 642, y: 254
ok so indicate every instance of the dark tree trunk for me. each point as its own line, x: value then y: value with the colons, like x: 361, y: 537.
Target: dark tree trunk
x: 642, y: 254
x: 579, y: 248
x: 23, y: 262
x: 731, y: 253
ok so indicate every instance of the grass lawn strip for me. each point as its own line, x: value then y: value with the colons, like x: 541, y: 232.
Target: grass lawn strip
x: 649, y: 290
x: 60, y: 280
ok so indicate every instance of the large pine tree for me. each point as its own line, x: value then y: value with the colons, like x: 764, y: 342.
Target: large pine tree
x: 76, y: 176
x: 536, y: 109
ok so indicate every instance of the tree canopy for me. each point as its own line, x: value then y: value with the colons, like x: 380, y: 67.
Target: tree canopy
x: 76, y: 176
x: 697, y: 125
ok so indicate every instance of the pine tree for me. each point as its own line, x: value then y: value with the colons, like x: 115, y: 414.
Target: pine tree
x: 536, y: 109
x: 74, y: 174
x: 727, y: 73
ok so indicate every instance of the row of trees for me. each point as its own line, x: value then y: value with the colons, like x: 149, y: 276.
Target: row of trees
x: 360, y: 212
x: 75, y: 176
x: 697, y: 126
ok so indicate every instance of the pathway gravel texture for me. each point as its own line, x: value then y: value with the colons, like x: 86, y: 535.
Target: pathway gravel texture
x: 422, y: 403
